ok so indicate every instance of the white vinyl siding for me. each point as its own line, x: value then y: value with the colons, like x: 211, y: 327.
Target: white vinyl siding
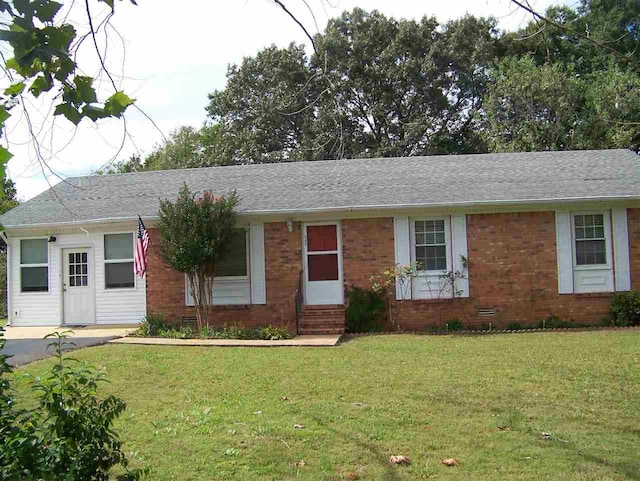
x: 112, y: 306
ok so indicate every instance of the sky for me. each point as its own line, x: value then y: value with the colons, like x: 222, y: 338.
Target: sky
x: 170, y: 58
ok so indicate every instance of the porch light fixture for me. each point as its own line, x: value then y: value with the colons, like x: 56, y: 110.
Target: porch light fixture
x: 289, y: 225
x: 52, y: 239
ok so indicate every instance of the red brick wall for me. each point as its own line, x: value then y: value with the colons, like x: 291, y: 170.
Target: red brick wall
x: 166, y: 287
x: 367, y: 248
x: 512, y: 268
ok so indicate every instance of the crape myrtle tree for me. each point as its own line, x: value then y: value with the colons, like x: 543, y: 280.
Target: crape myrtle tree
x: 195, y: 231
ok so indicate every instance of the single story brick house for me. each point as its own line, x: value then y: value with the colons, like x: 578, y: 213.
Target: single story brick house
x: 531, y: 235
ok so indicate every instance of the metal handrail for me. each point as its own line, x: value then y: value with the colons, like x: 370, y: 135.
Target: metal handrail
x: 298, y: 300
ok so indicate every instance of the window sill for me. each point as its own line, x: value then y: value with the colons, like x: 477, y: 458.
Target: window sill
x: 227, y: 307
x: 434, y: 301
x: 594, y: 294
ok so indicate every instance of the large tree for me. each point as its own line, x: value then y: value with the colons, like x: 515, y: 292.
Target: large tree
x: 376, y: 86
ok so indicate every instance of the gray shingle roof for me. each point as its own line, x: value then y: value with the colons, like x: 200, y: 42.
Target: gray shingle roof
x: 343, y: 184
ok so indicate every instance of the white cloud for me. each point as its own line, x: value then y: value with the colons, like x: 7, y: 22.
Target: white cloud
x: 175, y: 56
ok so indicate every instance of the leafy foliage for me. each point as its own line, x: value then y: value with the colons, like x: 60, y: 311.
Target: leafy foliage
x: 365, y: 310
x: 69, y: 434
x: 154, y: 326
x: 398, y: 87
x: 625, y: 309
x: 44, y: 61
x: 209, y: 220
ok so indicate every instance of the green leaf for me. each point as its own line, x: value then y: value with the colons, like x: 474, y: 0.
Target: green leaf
x: 4, y: 114
x: 5, y: 155
x: 15, y: 89
x: 39, y: 85
x: 108, y: 2
x: 69, y: 111
x: 94, y: 112
x: 117, y: 103
x: 46, y: 10
x: 84, y: 87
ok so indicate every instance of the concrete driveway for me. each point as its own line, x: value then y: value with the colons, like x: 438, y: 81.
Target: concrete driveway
x: 26, y: 344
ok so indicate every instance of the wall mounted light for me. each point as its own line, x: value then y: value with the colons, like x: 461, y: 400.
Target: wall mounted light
x: 289, y: 225
x: 52, y: 238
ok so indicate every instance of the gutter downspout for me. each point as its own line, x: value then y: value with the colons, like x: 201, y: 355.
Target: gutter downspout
x: 3, y: 234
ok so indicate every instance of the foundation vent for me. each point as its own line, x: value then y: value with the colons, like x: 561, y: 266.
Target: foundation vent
x: 487, y: 312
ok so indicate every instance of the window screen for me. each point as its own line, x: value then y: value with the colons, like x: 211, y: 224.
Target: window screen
x: 34, y: 265
x: 234, y: 263
x: 590, y: 239
x: 118, y: 261
x: 431, y: 245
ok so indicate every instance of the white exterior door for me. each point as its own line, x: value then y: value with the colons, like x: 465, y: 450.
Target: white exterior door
x: 323, y: 264
x: 77, y: 286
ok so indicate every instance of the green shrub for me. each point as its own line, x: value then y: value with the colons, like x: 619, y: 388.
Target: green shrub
x: 625, y: 309
x: 555, y: 322
x: 365, y: 310
x: 150, y: 326
x: 209, y: 333
x: 69, y: 434
x: 514, y: 326
x: 274, y: 333
x: 454, y: 325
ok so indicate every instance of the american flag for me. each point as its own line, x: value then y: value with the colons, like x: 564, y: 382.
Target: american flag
x: 140, y: 255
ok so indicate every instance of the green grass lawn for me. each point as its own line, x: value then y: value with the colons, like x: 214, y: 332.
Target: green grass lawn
x: 221, y: 413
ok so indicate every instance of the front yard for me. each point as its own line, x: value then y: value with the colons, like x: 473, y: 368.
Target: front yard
x: 229, y: 413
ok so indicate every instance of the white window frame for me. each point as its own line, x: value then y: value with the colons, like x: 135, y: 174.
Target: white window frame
x: 47, y: 265
x: 187, y: 287
x: 119, y: 261
x: 606, y: 216
x: 447, y: 239
x: 248, y: 260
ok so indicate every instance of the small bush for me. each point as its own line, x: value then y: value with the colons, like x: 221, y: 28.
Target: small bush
x: 150, y: 326
x: 555, y: 322
x: 69, y: 434
x: 514, y: 326
x: 625, y: 309
x: 454, y: 325
x: 208, y: 333
x: 365, y: 310
x: 274, y: 333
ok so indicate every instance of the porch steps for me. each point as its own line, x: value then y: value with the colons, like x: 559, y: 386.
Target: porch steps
x: 327, y: 319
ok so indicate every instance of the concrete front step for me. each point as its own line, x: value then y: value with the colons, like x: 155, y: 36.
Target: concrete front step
x: 321, y: 330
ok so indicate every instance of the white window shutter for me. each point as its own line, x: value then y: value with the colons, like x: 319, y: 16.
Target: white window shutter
x: 258, y: 276
x: 459, y: 250
x: 403, y: 252
x: 565, y: 252
x: 188, y: 295
x: 621, y: 250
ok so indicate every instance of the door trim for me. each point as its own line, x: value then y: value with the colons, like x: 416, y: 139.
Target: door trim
x: 305, y: 267
x: 92, y: 279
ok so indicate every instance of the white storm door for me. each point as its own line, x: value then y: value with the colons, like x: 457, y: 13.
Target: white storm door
x: 322, y: 264
x: 77, y: 286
